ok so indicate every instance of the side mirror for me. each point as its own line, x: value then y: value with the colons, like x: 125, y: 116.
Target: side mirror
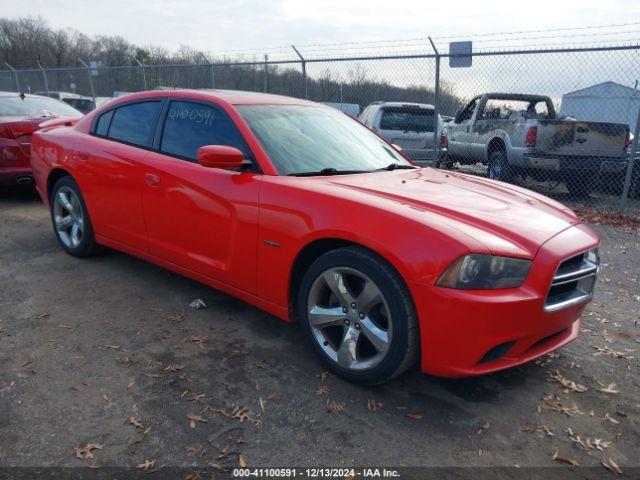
x: 220, y: 156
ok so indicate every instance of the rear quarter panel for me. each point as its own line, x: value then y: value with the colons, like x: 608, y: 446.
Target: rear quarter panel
x: 52, y: 148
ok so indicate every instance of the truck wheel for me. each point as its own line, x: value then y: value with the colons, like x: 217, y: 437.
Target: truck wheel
x: 580, y: 185
x: 499, y: 168
x: 358, y: 315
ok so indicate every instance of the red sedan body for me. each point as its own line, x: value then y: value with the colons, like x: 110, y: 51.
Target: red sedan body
x: 253, y: 234
x: 17, y: 124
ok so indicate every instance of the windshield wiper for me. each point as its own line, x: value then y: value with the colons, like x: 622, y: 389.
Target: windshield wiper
x: 325, y: 171
x: 396, y: 166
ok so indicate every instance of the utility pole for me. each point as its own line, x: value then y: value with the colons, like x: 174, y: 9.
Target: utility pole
x: 266, y: 74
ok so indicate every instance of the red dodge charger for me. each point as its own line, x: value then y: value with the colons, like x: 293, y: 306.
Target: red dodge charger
x: 307, y: 214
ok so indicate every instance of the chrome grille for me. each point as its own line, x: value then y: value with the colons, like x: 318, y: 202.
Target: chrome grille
x: 573, y: 282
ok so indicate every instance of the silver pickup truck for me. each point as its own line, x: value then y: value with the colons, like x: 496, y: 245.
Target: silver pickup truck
x: 521, y: 135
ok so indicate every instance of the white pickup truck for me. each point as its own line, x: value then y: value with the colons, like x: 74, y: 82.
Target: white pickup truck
x: 521, y: 135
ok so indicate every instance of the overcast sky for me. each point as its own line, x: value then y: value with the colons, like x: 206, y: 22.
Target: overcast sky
x: 220, y: 26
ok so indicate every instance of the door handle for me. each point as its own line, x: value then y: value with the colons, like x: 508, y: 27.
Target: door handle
x: 152, y: 179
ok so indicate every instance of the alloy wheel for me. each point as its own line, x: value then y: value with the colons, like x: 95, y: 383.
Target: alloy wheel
x: 349, y: 318
x: 68, y: 217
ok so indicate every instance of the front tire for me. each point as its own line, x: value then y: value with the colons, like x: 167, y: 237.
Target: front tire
x: 358, y: 315
x: 70, y: 218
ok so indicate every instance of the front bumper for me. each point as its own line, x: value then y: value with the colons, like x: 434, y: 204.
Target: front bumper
x: 466, y: 333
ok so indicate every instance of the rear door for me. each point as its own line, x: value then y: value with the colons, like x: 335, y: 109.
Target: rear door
x: 112, y: 170
x: 203, y: 219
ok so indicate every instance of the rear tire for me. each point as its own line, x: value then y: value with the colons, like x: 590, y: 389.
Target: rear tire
x: 358, y: 316
x: 499, y: 168
x: 70, y: 219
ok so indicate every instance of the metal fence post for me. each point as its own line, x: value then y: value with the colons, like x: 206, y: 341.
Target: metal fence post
x: 213, y: 74
x: 266, y: 74
x: 630, y: 165
x: 436, y: 134
x: 144, y: 75
x: 93, y: 93
x: 15, y: 76
x: 44, y: 78
x: 304, y: 71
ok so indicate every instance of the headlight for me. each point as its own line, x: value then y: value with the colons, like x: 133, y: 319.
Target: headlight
x: 479, y: 272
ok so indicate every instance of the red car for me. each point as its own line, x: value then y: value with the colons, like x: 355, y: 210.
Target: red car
x: 307, y: 214
x: 20, y: 116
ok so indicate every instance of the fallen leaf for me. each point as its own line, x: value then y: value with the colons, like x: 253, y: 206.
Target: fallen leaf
x: 611, y: 388
x: 333, y: 406
x: 195, y: 418
x: 565, y: 382
x: 135, y: 421
x: 612, y: 466
x: 241, y: 461
x: 559, y: 458
x: 611, y: 419
x: 373, y: 405
x: 131, y: 383
x: 485, y: 426
x: 148, y: 464
x: 414, y: 416
x: 322, y: 390
x: 174, y: 368
x: 105, y: 397
x: 480, y: 452
x: 241, y: 413
x: 85, y: 452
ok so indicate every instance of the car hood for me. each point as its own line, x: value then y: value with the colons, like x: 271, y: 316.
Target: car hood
x: 507, y: 219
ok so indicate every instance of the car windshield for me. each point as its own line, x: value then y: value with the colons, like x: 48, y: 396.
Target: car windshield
x: 35, y: 106
x: 407, y: 119
x: 301, y: 139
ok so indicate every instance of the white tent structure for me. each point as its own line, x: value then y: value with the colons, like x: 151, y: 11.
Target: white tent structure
x: 603, y: 102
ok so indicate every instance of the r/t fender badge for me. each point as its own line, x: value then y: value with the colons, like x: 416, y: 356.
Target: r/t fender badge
x: 269, y: 243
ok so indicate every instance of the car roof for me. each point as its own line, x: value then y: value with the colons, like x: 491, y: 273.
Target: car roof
x: 402, y: 104
x: 232, y: 97
x: 17, y: 94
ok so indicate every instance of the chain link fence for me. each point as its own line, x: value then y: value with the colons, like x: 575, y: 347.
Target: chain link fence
x: 563, y: 122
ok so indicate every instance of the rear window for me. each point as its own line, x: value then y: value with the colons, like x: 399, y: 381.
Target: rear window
x: 408, y: 119
x: 35, y: 107
x: 134, y: 123
x: 82, y: 104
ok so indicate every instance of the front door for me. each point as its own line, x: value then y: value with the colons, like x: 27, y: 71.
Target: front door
x: 203, y: 219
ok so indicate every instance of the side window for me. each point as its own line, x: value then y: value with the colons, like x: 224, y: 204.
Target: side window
x: 134, y: 123
x: 190, y: 126
x: 467, y: 113
x: 102, y: 127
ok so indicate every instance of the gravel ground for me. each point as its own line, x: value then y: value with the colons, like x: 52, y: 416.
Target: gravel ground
x: 107, y: 351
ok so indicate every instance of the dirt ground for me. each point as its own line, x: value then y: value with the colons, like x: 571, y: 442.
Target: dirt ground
x: 103, y: 358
